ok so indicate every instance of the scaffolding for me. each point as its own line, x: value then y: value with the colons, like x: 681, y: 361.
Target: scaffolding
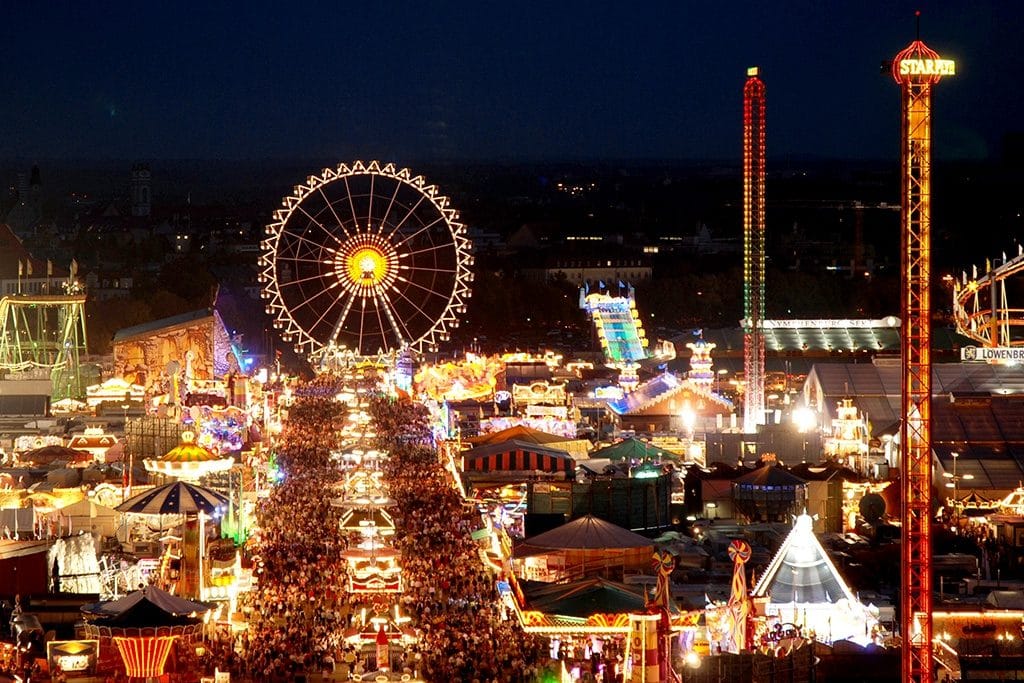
x: 44, y: 335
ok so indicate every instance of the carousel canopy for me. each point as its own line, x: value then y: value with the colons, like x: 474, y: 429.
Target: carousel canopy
x: 188, y: 451
x: 634, y: 449
x: 769, y: 476
x: 178, y: 498
x: 584, y: 598
x: 147, y: 607
x: 587, y: 532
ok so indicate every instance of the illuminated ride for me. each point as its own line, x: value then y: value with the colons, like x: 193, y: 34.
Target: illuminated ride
x: 916, y: 69
x: 363, y: 261
x: 45, y: 333
x: 753, y: 250
x: 620, y: 331
x: 981, y: 306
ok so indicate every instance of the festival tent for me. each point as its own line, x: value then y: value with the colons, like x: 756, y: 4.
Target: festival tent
x: 803, y: 586
x: 48, y: 455
x: 633, y: 449
x: 517, y: 456
x: 88, y: 515
x: 147, y: 607
x: 577, y: 448
x: 583, y: 598
x: 587, y: 546
x: 518, y: 433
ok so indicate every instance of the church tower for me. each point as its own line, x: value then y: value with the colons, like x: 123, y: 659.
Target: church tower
x: 140, y: 190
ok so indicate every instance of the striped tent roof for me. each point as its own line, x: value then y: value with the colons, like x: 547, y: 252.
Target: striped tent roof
x: 517, y: 456
x: 179, y: 498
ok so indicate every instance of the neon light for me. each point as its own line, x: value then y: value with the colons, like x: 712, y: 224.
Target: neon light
x: 753, y: 251
x: 927, y: 67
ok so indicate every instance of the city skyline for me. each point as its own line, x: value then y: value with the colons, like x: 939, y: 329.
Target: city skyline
x: 518, y: 83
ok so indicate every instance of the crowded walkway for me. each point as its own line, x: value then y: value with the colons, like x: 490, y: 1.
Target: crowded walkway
x: 300, y: 610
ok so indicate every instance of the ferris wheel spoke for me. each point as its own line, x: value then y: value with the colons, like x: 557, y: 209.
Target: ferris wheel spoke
x: 333, y: 212
x: 401, y: 330
x: 381, y: 325
x: 317, y: 224
x: 424, y: 250
x: 387, y: 212
x: 413, y: 303
x: 310, y: 261
x: 351, y: 204
x: 408, y: 213
x: 308, y: 300
x: 295, y: 240
x: 424, y: 269
x: 305, y: 280
x: 428, y: 226
x: 369, y: 202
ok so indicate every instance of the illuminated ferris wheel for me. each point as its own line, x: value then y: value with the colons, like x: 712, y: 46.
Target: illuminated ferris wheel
x: 366, y: 260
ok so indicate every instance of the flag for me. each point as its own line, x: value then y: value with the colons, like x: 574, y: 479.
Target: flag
x: 28, y: 266
x: 600, y: 283
x: 622, y: 285
x: 49, y: 268
x: 21, y: 268
x: 74, y: 268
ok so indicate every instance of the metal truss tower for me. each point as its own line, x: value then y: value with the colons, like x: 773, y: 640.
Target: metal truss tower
x: 44, y: 335
x: 916, y: 69
x: 753, y: 250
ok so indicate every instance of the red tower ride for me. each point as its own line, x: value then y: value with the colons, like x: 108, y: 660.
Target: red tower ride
x: 753, y: 250
x: 916, y: 69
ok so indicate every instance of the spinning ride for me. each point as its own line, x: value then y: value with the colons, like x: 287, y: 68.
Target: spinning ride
x: 365, y: 260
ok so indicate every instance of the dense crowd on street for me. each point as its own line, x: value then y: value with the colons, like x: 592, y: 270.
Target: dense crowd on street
x: 299, y: 610
x: 295, y: 612
x: 465, y: 634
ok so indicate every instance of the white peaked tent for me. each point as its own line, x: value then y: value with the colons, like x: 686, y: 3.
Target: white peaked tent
x: 90, y: 516
x: 804, y: 587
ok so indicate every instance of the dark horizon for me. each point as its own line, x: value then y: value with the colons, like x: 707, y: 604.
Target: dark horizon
x: 586, y: 81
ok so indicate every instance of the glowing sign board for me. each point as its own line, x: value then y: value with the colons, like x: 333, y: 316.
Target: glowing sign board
x: 927, y: 67
x: 997, y: 355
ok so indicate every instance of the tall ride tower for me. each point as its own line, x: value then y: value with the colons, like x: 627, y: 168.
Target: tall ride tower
x: 916, y: 69
x: 753, y: 250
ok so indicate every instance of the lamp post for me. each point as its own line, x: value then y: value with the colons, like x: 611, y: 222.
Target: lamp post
x: 954, y: 484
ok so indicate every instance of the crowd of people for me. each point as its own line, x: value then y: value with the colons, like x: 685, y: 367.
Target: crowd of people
x: 465, y: 634
x: 299, y: 611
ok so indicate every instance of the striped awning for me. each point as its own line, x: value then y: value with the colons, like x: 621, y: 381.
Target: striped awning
x: 178, y: 498
x: 517, y: 456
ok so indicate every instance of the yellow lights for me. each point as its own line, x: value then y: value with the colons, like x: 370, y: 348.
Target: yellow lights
x: 367, y: 266
x: 144, y: 657
x: 805, y: 419
x: 926, y: 67
x: 753, y: 71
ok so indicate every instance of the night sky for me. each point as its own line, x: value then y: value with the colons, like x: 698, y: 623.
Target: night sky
x: 491, y: 81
